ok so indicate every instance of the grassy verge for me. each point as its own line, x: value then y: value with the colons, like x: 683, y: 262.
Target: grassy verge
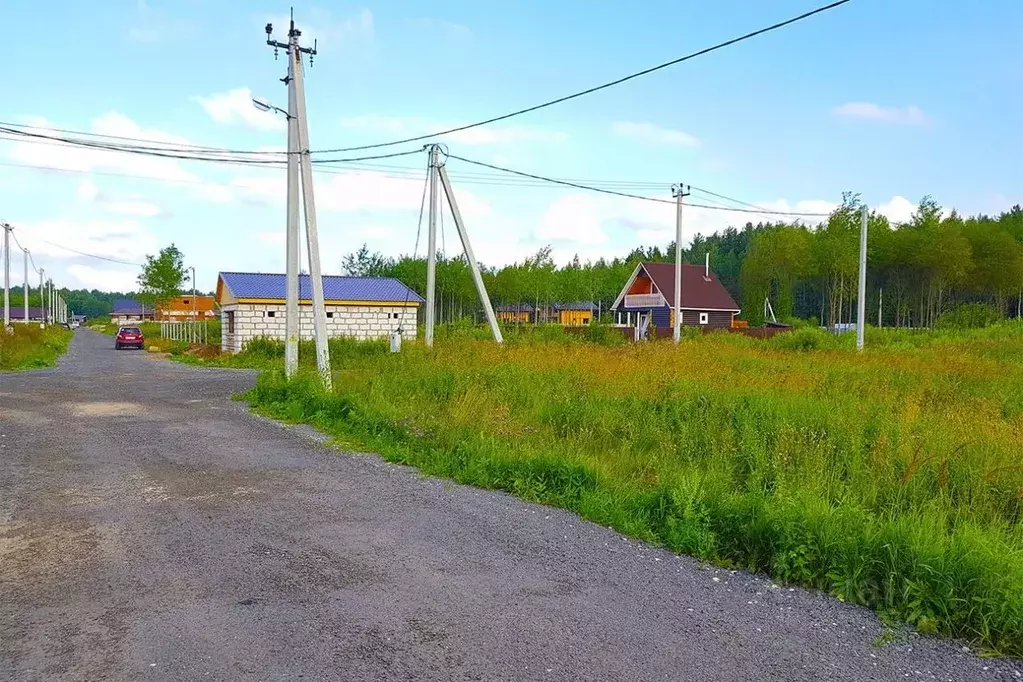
x: 891, y: 478
x: 29, y: 347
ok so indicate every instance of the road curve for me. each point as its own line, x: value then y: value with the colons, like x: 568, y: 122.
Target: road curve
x: 152, y: 529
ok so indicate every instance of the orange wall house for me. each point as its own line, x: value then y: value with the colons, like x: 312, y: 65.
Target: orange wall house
x: 181, y: 308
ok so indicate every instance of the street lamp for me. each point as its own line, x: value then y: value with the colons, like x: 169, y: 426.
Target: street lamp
x: 263, y: 105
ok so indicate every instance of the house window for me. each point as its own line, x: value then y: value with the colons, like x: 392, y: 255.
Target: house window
x: 586, y: 320
x: 186, y: 301
x: 230, y: 321
x: 395, y: 315
x: 330, y: 315
x: 704, y: 318
x: 271, y: 313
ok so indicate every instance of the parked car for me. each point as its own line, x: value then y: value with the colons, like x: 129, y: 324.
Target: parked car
x: 129, y: 337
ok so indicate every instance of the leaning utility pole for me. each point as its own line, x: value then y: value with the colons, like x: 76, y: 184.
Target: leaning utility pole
x: 861, y: 299
x: 431, y: 246
x: 7, y: 273
x: 679, y: 192
x: 477, y: 277
x: 296, y: 91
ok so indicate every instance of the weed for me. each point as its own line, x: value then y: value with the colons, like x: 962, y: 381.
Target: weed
x: 889, y: 478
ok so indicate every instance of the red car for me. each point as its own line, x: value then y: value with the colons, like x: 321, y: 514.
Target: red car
x: 129, y: 337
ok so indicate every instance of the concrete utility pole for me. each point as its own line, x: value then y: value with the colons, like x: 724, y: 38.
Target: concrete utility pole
x: 431, y: 246
x: 861, y: 299
x: 296, y: 89
x: 880, y: 300
x: 678, y: 191
x: 477, y: 277
x: 26, y: 284
x: 292, y: 330
x: 292, y: 322
x: 7, y: 274
x: 42, y: 298
x: 195, y: 292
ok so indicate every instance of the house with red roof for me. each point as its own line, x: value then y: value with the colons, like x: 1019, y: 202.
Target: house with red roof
x: 252, y: 305
x: 648, y: 299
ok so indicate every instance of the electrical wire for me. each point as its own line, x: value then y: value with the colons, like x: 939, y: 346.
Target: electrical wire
x: 36, y: 138
x: 588, y: 91
x: 89, y: 255
x: 629, y: 195
x: 196, y: 147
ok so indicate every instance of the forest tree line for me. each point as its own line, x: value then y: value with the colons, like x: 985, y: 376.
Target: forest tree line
x: 916, y: 270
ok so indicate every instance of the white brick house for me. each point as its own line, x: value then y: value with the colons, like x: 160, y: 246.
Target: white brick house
x: 253, y: 305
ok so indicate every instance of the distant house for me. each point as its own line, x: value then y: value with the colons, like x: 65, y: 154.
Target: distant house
x: 181, y: 308
x: 253, y: 305
x: 648, y: 298
x: 128, y: 310
x: 515, y: 314
x: 18, y: 313
x: 576, y: 314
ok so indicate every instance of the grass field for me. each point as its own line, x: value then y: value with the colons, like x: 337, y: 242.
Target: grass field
x: 891, y: 478
x: 29, y: 347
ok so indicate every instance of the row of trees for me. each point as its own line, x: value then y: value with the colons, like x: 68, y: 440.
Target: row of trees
x: 916, y: 270
x: 162, y: 277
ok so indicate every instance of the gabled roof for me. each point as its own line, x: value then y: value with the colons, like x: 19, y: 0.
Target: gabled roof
x: 127, y: 306
x: 579, y: 305
x: 698, y: 292
x: 273, y: 287
x: 513, y: 308
x: 202, y: 303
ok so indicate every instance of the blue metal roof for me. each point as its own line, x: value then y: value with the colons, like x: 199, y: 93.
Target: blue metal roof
x: 127, y: 306
x: 335, y: 287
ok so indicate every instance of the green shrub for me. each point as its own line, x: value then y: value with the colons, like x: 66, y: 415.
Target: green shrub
x: 970, y: 316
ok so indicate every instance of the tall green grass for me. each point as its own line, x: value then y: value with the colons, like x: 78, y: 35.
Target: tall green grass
x: 891, y: 478
x: 29, y: 347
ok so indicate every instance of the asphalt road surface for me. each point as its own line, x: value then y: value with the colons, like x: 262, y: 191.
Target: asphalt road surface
x: 152, y: 529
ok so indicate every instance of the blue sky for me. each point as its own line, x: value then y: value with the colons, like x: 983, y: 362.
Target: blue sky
x: 894, y: 100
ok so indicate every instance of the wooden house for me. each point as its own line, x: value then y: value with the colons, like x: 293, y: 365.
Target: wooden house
x: 187, y: 307
x: 576, y: 314
x: 648, y: 299
x: 521, y: 313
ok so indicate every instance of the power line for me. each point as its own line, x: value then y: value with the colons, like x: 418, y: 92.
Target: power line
x: 629, y: 195
x: 597, y: 88
x: 170, y: 153
x: 196, y: 147
x: 89, y: 255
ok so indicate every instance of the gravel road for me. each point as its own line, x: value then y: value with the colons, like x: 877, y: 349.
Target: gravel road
x: 152, y: 529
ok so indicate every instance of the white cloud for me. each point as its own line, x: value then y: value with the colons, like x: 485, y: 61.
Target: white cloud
x: 45, y: 154
x: 319, y: 25
x: 868, y: 111
x: 653, y: 134
x: 112, y: 278
x: 123, y: 239
x: 398, y: 126
x: 235, y: 107
x: 573, y: 218
x: 898, y: 209
x: 354, y: 191
x: 135, y: 205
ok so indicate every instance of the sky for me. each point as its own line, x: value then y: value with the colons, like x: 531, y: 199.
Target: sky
x: 894, y: 100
